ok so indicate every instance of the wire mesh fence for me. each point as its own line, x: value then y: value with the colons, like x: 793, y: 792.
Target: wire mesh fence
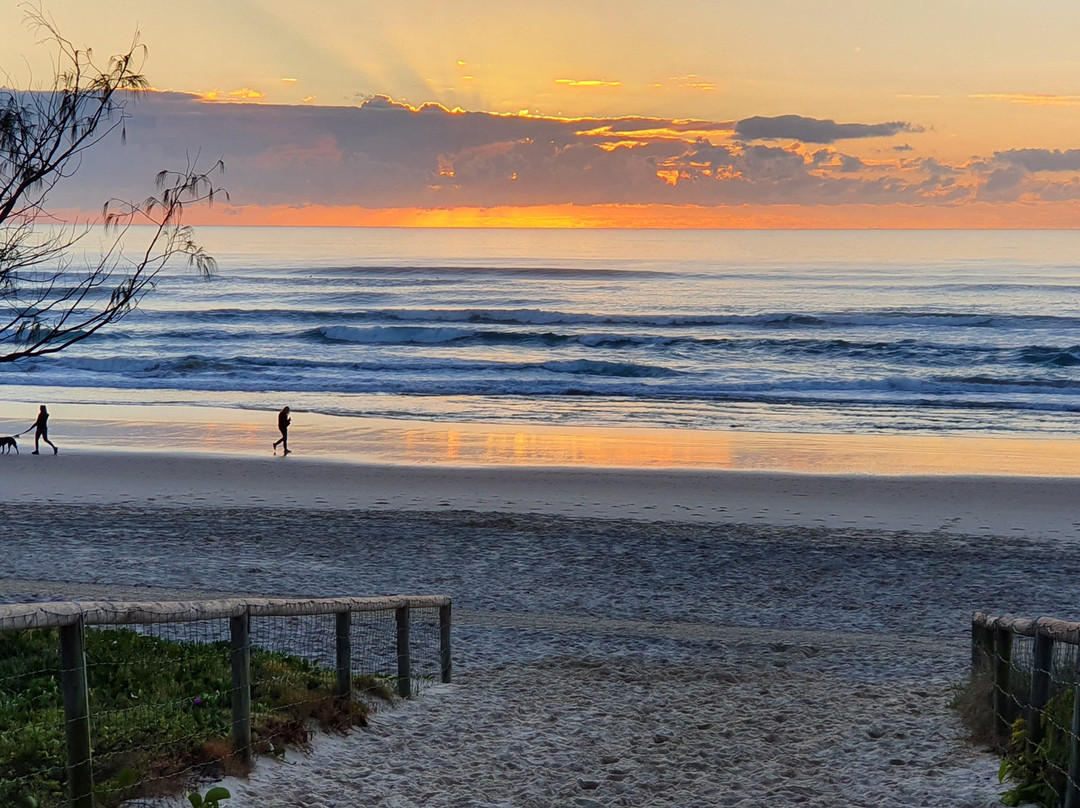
x: 1032, y: 669
x: 108, y: 704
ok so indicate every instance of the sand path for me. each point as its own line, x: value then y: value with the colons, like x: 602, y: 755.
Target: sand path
x: 604, y: 661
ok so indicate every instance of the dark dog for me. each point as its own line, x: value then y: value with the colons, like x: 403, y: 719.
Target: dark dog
x: 7, y: 444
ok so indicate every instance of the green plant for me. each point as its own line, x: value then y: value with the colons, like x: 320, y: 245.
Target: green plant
x: 1037, y: 771
x: 212, y: 798
x: 160, y: 710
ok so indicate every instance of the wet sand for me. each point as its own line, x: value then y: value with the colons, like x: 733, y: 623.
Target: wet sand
x: 623, y: 636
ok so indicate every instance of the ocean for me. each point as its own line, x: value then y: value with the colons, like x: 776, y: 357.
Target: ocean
x: 944, y: 332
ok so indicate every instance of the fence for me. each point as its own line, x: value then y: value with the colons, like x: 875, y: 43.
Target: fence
x: 107, y: 703
x: 1034, y: 667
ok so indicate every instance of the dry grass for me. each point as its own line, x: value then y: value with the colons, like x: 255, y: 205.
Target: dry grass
x: 973, y: 702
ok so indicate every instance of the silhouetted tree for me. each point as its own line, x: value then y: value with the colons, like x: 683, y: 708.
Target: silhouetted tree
x: 47, y: 302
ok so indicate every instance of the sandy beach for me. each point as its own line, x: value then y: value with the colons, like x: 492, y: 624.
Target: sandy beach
x: 664, y: 636
x: 715, y: 361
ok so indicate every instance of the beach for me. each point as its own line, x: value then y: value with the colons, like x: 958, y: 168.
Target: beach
x: 705, y: 409
x: 622, y: 636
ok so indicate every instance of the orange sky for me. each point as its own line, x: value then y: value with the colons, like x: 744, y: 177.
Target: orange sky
x: 595, y: 113
x: 1033, y: 216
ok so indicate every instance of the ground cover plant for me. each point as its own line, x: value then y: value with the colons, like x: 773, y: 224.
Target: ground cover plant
x: 1032, y: 774
x: 160, y: 712
x: 1036, y: 773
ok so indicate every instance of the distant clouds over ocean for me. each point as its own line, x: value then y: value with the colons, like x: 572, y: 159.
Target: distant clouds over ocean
x: 386, y: 154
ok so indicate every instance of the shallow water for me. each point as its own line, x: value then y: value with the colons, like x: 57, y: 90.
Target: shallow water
x: 928, y: 332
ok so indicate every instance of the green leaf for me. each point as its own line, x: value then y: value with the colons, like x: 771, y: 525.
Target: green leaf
x: 195, y: 799
x: 218, y: 793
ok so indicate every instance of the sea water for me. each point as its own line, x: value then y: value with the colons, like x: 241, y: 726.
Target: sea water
x: 952, y: 332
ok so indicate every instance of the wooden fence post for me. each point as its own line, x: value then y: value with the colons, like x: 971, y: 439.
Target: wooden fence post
x: 344, y: 655
x: 404, y: 664
x: 1042, y: 659
x: 80, y: 775
x: 982, y: 645
x: 1002, y: 669
x: 240, y: 634
x: 444, y: 643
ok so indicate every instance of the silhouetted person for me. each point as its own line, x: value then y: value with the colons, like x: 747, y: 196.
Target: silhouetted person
x: 41, y: 430
x: 283, y: 421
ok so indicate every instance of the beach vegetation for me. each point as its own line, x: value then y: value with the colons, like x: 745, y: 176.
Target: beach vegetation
x: 160, y: 713
x: 973, y: 704
x: 1037, y: 772
x: 1034, y: 773
x: 48, y: 300
x: 211, y: 799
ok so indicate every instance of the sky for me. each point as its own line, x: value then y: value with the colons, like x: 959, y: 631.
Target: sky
x: 680, y: 113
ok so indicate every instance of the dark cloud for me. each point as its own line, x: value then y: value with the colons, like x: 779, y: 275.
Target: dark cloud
x: 1003, y: 179
x: 849, y: 164
x: 1041, y: 159
x: 814, y: 130
x: 384, y: 154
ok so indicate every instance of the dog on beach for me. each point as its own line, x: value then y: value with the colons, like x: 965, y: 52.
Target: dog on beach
x: 7, y: 444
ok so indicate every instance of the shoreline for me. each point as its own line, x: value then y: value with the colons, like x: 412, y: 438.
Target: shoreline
x: 973, y: 505
x: 215, y: 457
x: 774, y: 625
x: 219, y: 431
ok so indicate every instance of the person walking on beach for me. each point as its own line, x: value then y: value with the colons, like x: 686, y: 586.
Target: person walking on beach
x: 283, y: 421
x: 41, y: 431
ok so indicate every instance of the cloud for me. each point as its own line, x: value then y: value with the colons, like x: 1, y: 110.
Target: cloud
x: 588, y: 83
x: 1041, y: 159
x: 935, y: 168
x: 243, y: 94
x: 692, y: 83
x: 850, y: 165
x: 1031, y: 99
x: 1002, y: 179
x: 385, y: 153
x: 815, y: 130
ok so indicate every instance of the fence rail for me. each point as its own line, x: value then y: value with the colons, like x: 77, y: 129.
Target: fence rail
x: 1034, y: 666
x: 272, y: 625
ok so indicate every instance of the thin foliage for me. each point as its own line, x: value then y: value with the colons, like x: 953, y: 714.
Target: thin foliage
x: 47, y: 303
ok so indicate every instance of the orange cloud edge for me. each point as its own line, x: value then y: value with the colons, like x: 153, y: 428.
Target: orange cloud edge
x: 1043, y: 215
x: 1062, y: 215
